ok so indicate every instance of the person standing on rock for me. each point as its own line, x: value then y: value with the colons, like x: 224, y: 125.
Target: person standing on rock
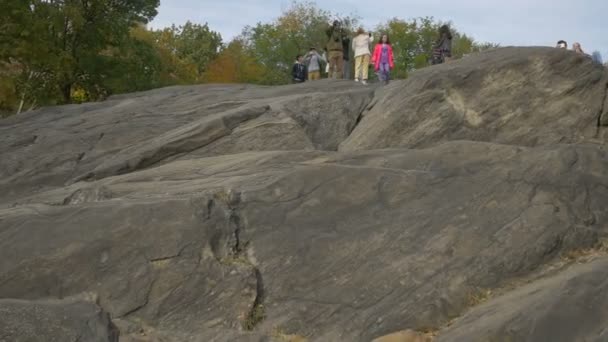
x: 562, y: 44
x: 299, y: 72
x: 361, y: 45
x: 326, y: 59
x: 313, y: 63
x: 347, y: 67
x: 442, y: 51
x: 383, y: 58
x: 335, y: 50
x: 577, y: 48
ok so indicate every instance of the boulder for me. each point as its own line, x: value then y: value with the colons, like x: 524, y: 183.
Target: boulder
x: 324, y: 211
x: 517, y: 96
x: 56, y: 146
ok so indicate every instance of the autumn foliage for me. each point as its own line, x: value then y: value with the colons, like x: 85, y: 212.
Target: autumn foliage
x: 235, y: 64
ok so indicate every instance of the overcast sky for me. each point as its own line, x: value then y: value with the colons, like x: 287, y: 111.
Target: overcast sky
x: 508, y: 22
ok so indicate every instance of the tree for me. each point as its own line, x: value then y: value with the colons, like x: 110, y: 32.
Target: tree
x: 198, y: 44
x: 60, y: 44
x: 190, y: 44
x: 236, y: 64
x: 136, y: 65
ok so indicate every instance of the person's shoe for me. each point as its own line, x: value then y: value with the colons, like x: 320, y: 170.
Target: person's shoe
x: 364, y: 82
x: 356, y: 80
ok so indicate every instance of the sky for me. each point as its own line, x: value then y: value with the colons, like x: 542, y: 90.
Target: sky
x: 507, y: 22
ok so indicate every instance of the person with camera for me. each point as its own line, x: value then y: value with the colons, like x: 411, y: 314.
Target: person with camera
x: 313, y: 62
x: 335, y: 48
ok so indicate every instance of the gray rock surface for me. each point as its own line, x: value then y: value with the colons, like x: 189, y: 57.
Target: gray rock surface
x: 570, y: 306
x: 518, y: 96
x: 54, y: 321
x: 60, y: 145
x: 225, y: 213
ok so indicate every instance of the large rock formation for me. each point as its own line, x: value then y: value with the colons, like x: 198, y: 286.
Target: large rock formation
x: 242, y: 213
x: 509, y: 96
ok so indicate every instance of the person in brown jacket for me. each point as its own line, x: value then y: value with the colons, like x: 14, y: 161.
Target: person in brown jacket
x: 335, y: 50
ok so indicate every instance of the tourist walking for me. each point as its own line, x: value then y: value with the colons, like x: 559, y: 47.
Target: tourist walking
x: 383, y: 58
x: 361, y: 45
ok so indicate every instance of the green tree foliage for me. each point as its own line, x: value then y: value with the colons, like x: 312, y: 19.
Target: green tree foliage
x: 61, y: 51
x: 134, y: 66
x: 59, y: 46
x: 198, y: 44
x: 191, y: 44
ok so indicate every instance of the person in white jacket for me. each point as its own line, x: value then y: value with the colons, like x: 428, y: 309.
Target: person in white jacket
x: 362, y: 55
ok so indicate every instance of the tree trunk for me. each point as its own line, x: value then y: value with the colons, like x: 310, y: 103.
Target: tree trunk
x: 66, y: 91
x: 24, y: 93
x: 21, y: 103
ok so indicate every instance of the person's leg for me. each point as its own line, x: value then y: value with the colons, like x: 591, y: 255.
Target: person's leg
x: 384, y: 68
x: 332, y: 64
x: 365, y: 67
x: 380, y: 73
x: 358, y: 62
x: 340, y: 65
x: 317, y: 75
x: 347, y: 69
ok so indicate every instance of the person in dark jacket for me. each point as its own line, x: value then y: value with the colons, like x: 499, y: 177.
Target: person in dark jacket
x: 346, y: 67
x: 299, y: 71
x: 442, y: 51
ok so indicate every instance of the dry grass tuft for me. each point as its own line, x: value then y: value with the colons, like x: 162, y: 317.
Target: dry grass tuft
x: 479, y: 296
x: 280, y: 336
x: 587, y: 254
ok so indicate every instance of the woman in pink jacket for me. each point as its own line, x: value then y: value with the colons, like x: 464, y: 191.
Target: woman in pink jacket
x: 383, y: 58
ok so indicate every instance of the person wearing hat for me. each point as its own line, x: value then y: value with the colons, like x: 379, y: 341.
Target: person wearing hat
x: 313, y: 61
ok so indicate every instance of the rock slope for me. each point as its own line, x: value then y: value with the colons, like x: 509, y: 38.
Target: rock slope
x: 465, y: 203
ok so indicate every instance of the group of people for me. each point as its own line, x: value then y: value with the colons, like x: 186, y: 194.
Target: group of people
x: 336, y: 56
x: 576, y: 47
